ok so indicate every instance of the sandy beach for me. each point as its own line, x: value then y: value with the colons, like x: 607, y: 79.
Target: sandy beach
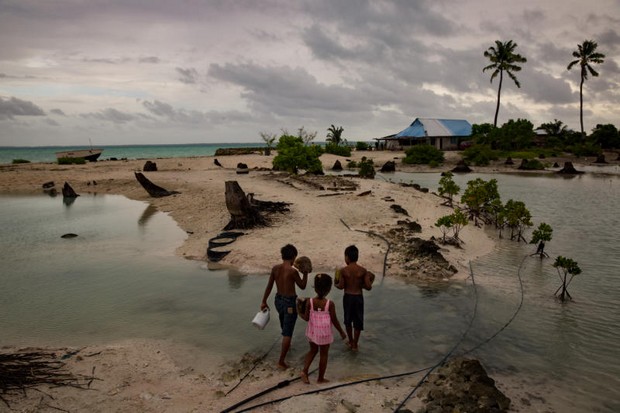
x: 142, y: 375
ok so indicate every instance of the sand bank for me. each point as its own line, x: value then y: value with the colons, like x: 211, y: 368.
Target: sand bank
x: 142, y: 375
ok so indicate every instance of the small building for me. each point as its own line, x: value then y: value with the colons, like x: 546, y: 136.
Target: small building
x: 443, y: 134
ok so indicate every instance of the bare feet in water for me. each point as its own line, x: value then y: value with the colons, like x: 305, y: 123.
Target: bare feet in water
x: 323, y: 380
x: 304, y: 377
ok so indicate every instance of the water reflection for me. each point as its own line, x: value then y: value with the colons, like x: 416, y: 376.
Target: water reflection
x: 148, y: 212
x: 68, y: 200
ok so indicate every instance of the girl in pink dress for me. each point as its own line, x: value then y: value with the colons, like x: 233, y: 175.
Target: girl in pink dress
x: 320, y: 313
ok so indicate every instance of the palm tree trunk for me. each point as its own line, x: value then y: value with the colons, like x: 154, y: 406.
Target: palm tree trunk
x: 499, y: 91
x: 581, y: 104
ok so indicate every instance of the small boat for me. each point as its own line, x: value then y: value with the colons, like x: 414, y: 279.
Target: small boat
x: 88, y: 154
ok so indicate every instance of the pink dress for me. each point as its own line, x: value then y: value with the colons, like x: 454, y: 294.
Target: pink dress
x: 319, y: 328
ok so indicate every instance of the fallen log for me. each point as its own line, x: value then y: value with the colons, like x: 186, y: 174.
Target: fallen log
x: 153, y: 190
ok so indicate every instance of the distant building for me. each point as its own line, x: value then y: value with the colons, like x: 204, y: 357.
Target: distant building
x: 443, y: 134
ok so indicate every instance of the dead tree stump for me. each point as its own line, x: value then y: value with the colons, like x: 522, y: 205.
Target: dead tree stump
x: 243, y: 214
x: 68, y: 192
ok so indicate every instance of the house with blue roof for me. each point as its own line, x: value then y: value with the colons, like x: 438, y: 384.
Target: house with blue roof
x: 443, y: 134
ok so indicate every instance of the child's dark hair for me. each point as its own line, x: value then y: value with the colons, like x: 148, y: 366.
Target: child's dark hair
x: 322, y: 284
x: 352, y: 252
x: 288, y: 252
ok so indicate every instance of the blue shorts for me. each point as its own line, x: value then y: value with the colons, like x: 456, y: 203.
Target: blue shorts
x: 287, y: 311
x: 353, y: 305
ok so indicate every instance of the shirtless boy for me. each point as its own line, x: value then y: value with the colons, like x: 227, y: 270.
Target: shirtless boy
x: 353, y: 280
x: 285, y: 276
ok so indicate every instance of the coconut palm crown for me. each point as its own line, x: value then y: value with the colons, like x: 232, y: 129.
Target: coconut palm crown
x: 585, y: 55
x: 503, y: 59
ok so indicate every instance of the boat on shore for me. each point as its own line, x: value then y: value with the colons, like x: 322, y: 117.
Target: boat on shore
x: 89, y: 154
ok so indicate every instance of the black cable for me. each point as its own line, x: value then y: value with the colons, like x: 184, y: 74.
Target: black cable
x: 458, y: 343
x: 397, y: 375
x: 253, y: 367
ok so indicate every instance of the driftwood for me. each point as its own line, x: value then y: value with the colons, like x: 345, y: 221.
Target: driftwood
x: 153, y: 190
x: 22, y: 370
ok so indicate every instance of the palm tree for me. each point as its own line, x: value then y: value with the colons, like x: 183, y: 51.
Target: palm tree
x: 334, y: 134
x: 503, y: 59
x: 585, y: 54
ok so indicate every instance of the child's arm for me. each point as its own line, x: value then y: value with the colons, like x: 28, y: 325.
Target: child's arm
x: 340, y: 284
x: 369, y: 278
x: 268, y: 289
x: 301, y: 281
x: 305, y: 314
x: 334, y: 318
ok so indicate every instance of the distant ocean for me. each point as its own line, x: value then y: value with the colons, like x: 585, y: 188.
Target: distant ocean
x: 47, y: 153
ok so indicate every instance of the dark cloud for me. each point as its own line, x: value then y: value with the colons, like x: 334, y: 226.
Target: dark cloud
x: 188, y: 76
x: 57, y: 112
x: 285, y: 91
x: 111, y: 115
x: 9, y: 108
x: 149, y: 59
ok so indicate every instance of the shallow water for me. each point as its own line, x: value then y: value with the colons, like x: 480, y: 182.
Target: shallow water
x: 120, y: 279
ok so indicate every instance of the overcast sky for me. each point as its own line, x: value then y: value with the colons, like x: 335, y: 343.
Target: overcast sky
x: 193, y: 71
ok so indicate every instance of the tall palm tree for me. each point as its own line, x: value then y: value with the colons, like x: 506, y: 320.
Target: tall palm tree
x: 503, y: 59
x: 585, y: 54
x: 334, y: 134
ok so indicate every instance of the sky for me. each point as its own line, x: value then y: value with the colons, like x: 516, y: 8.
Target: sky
x: 116, y: 72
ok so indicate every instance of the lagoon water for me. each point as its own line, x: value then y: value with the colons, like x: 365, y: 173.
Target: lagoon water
x: 119, y: 279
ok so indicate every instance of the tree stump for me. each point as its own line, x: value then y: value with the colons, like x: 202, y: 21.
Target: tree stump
x: 149, y: 166
x: 243, y: 214
x: 68, y: 192
x: 569, y: 169
x: 337, y: 166
x: 461, y: 167
x: 389, y: 166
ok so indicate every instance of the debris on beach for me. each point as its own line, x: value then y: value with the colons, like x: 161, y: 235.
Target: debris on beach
x: 153, y: 190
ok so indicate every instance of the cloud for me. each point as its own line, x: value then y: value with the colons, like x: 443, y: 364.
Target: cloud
x: 187, y: 76
x: 111, y: 115
x: 57, y: 111
x: 9, y: 108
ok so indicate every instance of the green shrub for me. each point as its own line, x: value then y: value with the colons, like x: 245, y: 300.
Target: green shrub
x: 337, y: 149
x: 294, y: 155
x: 423, y: 154
x: 21, y: 161
x: 532, y: 165
x: 71, y: 161
x: 367, y: 168
x: 480, y: 155
x: 587, y: 149
x: 362, y: 146
x: 352, y: 164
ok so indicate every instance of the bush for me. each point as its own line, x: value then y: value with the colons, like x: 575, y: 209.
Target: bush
x: 587, y: 149
x: 294, y: 155
x: 532, y: 165
x: 367, y: 168
x: 337, y: 149
x: 362, y: 146
x: 480, y: 155
x: 352, y: 164
x: 20, y: 161
x: 423, y: 154
x: 71, y: 161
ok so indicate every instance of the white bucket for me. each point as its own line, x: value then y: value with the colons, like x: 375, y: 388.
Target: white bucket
x: 261, y: 319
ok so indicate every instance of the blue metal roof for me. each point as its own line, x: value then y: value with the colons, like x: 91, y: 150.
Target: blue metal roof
x: 425, y: 127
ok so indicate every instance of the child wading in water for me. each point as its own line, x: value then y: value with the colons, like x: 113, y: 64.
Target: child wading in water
x: 320, y: 313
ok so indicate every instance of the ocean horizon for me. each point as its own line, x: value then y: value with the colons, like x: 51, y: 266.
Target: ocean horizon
x: 48, y: 153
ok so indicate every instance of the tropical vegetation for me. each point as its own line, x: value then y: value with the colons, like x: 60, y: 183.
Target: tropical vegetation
x: 503, y: 59
x: 586, y: 55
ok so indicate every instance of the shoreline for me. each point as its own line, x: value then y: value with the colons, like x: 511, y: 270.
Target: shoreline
x: 146, y: 375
